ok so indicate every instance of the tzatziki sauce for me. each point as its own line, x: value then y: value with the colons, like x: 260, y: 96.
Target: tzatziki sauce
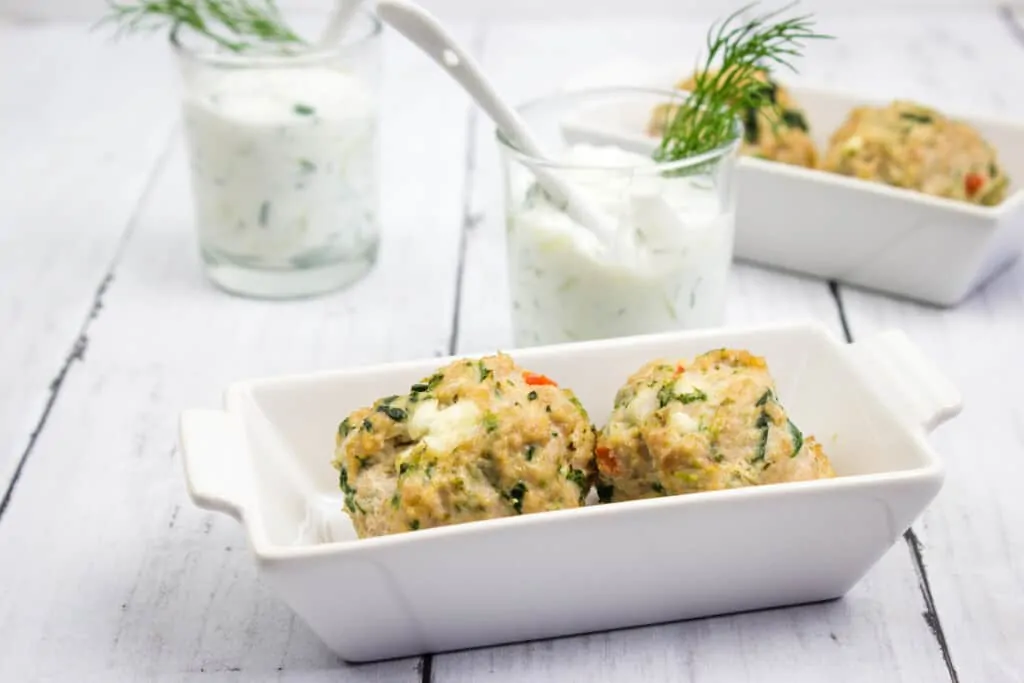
x: 665, y: 268
x: 283, y: 166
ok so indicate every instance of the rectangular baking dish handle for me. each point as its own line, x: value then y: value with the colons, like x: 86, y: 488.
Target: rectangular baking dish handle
x: 909, y: 382
x: 212, y: 447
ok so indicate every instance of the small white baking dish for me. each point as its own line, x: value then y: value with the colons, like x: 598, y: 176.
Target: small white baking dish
x: 264, y: 459
x: 857, y: 232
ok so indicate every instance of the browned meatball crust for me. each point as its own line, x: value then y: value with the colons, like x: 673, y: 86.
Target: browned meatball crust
x: 712, y: 423
x: 907, y: 145
x: 479, y: 439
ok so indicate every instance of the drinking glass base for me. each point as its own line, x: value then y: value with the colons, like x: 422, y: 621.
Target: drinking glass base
x: 286, y: 283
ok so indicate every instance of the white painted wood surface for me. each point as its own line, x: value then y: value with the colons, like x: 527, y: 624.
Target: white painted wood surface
x: 501, y: 10
x: 971, y: 537
x: 107, y: 571
x: 64, y: 213
x: 888, y: 60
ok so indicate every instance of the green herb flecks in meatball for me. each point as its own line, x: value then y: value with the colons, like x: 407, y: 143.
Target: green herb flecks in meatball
x: 713, y: 423
x: 477, y: 440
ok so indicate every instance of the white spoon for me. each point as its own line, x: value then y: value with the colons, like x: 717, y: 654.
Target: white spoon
x: 424, y: 31
x: 341, y: 17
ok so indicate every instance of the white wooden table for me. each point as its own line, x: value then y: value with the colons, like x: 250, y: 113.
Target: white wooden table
x: 108, y: 573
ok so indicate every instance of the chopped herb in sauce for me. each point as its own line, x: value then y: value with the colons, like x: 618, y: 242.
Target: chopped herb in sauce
x: 670, y: 307
x: 516, y: 495
x: 764, y: 398
x: 798, y: 439
x: 388, y: 400
x: 396, y: 500
x: 414, y: 524
x: 404, y: 467
x: 530, y: 450
x: 264, y: 213
x: 547, y: 409
x: 993, y: 170
x: 434, y: 380
x: 605, y: 492
x: 367, y: 425
x: 490, y: 422
x: 396, y: 414
x: 303, y: 109
x: 658, y: 488
x: 417, y: 388
x: 532, y: 396
x: 344, y: 428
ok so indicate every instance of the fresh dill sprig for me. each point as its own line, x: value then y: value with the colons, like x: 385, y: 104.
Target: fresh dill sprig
x: 706, y: 118
x: 237, y: 25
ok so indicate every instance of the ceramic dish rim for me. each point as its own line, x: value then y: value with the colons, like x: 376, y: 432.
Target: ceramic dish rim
x: 953, y: 206
x: 1010, y: 203
x: 241, y: 391
x: 271, y: 552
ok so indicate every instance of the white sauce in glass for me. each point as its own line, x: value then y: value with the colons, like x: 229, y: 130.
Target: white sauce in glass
x: 283, y: 166
x: 667, y: 269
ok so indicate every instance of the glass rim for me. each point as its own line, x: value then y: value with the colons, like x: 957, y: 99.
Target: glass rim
x: 303, y: 55
x: 670, y: 95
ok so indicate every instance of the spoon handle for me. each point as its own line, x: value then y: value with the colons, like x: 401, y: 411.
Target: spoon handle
x: 341, y: 17
x: 427, y: 33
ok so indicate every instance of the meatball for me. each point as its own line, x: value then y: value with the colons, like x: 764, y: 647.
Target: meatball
x: 766, y: 134
x: 911, y: 146
x: 713, y: 423
x: 477, y: 440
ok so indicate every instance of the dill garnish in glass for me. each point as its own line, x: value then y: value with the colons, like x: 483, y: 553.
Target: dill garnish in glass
x: 236, y: 25
x: 727, y: 84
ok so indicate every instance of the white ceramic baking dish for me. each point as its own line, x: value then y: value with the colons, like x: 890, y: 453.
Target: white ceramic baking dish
x: 264, y: 459
x: 857, y: 232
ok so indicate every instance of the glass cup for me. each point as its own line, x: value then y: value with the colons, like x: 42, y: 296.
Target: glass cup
x: 664, y: 265
x: 283, y: 150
